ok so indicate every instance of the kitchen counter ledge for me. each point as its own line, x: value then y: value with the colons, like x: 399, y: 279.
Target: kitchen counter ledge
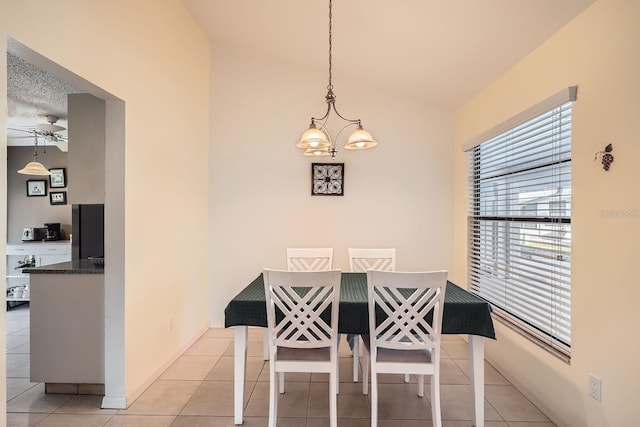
x: 83, y: 266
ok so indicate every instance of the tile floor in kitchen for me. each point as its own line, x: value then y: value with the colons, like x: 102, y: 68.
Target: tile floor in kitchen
x: 197, y: 390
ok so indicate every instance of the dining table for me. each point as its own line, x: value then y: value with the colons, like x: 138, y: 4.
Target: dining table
x: 464, y: 313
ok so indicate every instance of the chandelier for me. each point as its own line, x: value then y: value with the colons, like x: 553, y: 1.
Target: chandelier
x: 34, y: 167
x: 317, y: 141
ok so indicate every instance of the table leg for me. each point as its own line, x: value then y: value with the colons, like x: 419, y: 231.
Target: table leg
x: 476, y: 363
x: 239, y: 370
x: 356, y: 357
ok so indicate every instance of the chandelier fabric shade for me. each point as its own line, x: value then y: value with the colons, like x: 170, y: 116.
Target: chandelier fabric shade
x: 317, y: 141
x: 34, y: 167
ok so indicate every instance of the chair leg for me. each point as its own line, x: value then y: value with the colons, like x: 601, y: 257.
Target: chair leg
x: 420, y: 385
x: 407, y: 378
x: 435, y: 400
x: 374, y: 399
x: 281, y: 382
x: 337, y: 374
x: 366, y: 362
x: 333, y: 400
x: 265, y: 349
x: 273, y: 397
x: 356, y: 357
x: 338, y: 364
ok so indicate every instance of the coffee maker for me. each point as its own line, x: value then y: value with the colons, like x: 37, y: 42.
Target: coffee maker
x: 52, y: 231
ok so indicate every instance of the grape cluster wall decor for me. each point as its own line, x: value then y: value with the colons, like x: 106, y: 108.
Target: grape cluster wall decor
x: 606, y: 158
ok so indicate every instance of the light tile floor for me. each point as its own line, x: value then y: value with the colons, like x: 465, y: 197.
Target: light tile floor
x: 197, y: 391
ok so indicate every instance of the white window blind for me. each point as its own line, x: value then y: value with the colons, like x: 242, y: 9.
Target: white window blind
x: 520, y: 224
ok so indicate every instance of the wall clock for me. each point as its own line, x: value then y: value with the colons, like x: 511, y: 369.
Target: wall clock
x: 327, y: 179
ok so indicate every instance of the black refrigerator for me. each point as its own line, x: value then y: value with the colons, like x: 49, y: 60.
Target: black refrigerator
x: 87, y: 227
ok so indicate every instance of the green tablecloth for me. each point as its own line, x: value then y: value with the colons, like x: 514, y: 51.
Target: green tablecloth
x: 464, y: 313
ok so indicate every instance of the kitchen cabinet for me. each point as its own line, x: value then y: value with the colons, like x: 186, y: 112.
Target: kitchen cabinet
x: 86, y: 160
x: 67, y: 327
x: 42, y: 253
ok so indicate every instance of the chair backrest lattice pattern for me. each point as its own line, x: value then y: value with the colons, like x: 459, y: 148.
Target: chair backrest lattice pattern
x: 408, y: 308
x: 309, y: 259
x: 361, y: 260
x: 302, y: 307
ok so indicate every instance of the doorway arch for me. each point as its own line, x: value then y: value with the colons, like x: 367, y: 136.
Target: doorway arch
x: 115, y: 391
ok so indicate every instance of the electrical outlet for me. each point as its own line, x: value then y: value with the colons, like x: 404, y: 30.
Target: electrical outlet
x: 595, y: 387
x: 170, y: 324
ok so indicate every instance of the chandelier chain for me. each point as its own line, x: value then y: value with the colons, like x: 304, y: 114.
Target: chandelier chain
x: 35, y: 146
x: 330, y: 86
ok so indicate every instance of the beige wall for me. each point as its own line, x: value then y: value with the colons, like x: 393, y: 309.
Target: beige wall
x: 152, y: 56
x: 599, y: 52
x: 398, y: 194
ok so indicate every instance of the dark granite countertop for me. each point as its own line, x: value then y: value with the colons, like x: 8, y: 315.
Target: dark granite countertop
x: 40, y: 242
x: 83, y: 266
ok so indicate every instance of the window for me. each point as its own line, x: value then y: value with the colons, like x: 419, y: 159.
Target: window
x: 519, y: 223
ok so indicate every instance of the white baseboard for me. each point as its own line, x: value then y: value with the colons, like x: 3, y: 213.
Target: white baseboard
x: 114, y: 403
x: 213, y: 324
x: 131, y: 397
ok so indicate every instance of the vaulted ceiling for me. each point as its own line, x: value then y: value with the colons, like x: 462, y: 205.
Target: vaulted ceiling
x: 442, y: 52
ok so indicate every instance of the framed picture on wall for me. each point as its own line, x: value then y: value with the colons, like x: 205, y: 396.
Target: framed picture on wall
x: 327, y: 179
x: 58, y: 197
x: 36, y: 188
x: 58, y: 178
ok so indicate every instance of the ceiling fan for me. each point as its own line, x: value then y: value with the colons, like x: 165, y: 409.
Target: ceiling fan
x: 50, y: 131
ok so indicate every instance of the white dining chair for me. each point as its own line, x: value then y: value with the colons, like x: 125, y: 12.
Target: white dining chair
x: 301, y: 338
x: 309, y: 259
x: 361, y: 260
x: 303, y: 259
x: 407, y: 336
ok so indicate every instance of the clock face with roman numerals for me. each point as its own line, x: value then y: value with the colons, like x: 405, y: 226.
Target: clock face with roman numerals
x: 327, y: 179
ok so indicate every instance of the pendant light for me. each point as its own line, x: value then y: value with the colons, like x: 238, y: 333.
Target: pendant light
x: 34, y: 167
x: 316, y: 141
